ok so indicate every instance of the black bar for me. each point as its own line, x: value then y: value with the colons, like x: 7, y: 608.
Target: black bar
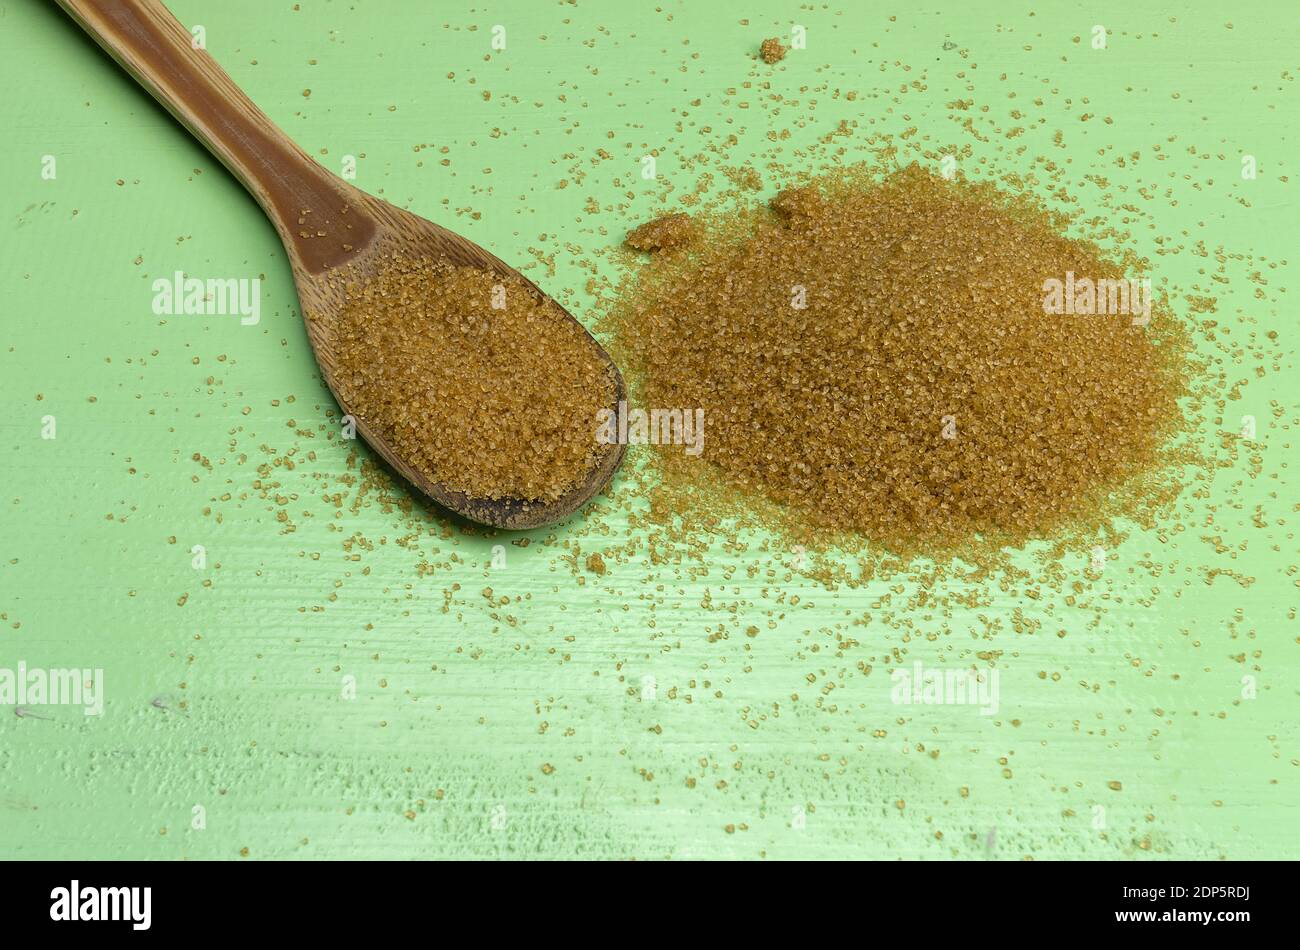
x: 335, y: 899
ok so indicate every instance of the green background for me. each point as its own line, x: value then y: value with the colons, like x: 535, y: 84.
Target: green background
x: 487, y: 729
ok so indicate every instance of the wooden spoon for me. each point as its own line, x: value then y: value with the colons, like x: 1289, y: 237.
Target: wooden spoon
x: 323, y: 221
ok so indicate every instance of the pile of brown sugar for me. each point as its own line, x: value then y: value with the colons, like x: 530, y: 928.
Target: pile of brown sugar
x: 479, y: 383
x: 873, y: 356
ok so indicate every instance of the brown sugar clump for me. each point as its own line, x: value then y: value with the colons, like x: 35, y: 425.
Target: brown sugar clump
x: 668, y: 231
x: 886, y: 369
x: 596, y: 564
x: 479, y: 383
x: 771, y: 51
x: 799, y: 206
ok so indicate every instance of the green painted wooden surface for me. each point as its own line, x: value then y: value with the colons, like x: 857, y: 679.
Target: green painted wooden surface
x: 482, y: 729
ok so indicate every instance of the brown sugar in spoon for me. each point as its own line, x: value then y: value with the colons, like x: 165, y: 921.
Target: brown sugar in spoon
x: 324, y: 222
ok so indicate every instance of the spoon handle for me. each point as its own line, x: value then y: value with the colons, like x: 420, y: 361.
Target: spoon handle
x: 315, y: 212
